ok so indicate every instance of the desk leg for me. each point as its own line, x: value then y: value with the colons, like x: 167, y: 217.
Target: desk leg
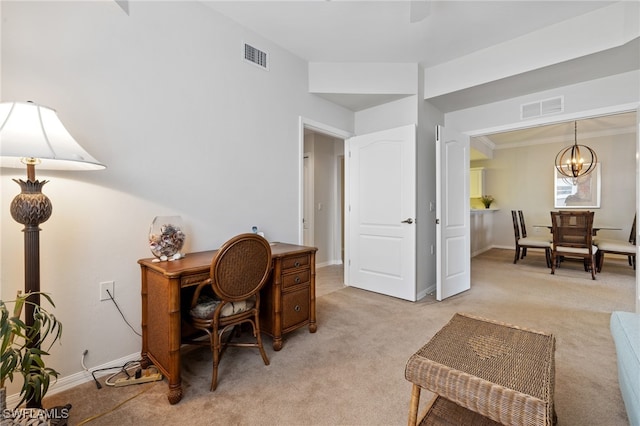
x: 145, y: 362
x: 175, y: 393
x: 277, y: 343
x: 161, y: 337
x: 175, y: 381
x: 313, y: 327
x: 175, y: 342
x: 277, y: 305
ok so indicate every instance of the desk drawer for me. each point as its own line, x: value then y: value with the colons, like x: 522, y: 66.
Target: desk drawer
x: 189, y: 280
x: 292, y: 262
x: 299, y: 277
x: 295, y: 309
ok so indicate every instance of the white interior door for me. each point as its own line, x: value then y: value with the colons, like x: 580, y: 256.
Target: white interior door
x: 453, y: 261
x: 381, y: 211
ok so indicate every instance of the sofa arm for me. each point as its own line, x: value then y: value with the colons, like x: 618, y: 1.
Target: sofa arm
x: 625, y: 329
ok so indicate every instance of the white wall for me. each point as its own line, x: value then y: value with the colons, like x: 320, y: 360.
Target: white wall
x: 185, y: 127
x: 367, y: 78
x: 481, y: 228
x: 589, y: 98
x: 387, y: 116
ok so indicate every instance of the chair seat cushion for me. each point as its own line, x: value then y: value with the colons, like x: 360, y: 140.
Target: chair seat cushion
x: 618, y: 246
x: 534, y: 242
x: 577, y: 250
x: 207, y: 305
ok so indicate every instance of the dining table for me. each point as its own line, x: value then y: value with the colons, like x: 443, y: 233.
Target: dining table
x: 596, y: 228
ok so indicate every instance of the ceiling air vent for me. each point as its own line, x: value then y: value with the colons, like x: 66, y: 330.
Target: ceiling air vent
x: 256, y: 56
x: 544, y: 107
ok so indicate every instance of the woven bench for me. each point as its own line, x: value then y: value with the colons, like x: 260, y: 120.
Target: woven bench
x: 484, y: 372
x: 442, y: 412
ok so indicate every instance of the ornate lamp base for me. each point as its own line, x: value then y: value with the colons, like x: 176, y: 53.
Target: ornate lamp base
x: 31, y: 208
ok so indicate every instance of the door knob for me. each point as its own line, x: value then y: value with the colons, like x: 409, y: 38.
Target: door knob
x: 409, y: 221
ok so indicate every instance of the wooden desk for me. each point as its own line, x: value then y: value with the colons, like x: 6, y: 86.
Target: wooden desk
x: 288, y: 302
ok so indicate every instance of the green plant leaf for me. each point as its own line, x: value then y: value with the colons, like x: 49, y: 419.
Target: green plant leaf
x: 20, y: 351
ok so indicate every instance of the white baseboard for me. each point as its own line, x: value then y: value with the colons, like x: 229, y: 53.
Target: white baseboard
x: 503, y: 247
x: 79, y: 378
x: 329, y: 263
x: 427, y: 291
x: 482, y: 250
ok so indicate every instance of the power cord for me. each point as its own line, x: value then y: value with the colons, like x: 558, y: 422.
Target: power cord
x: 130, y: 365
x: 121, y: 314
x: 90, y: 419
x: 123, y: 369
x: 86, y: 351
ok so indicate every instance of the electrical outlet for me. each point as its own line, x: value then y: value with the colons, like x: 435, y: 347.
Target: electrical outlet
x: 104, y: 286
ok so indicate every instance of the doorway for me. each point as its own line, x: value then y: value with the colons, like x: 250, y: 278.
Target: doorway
x: 322, y: 198
x: 616, y: 215
x: 519, y: 154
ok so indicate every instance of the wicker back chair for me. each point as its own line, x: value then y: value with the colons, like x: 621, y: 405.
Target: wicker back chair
x: 231, y: 295
x: 572, y: 237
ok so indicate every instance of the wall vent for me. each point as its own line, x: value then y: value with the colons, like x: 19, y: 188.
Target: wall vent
x: 256, y: 56
x: 540, y: 108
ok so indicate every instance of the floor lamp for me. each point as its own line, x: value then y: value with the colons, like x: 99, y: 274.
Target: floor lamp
x: 31, y: 135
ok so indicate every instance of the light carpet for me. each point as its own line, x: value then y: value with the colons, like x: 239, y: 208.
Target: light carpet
x: 351, y: 371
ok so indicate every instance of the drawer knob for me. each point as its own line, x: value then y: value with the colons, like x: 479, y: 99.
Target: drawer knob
x: 297, y: 308
x: 297, y: 280
x: 297, y: 264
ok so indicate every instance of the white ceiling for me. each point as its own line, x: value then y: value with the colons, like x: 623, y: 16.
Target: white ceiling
x: 432, y: 32
x: 382, y: 31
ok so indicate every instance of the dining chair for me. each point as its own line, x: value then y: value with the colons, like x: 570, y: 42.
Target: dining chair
x: 572, y: 237
x: 523, y: 242
x: 531, y: 239
x: 230, y: 296
x: 613, y: 246
x: 632, y: 240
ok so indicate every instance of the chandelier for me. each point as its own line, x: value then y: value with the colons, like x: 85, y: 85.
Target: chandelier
x: 570, y: 162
